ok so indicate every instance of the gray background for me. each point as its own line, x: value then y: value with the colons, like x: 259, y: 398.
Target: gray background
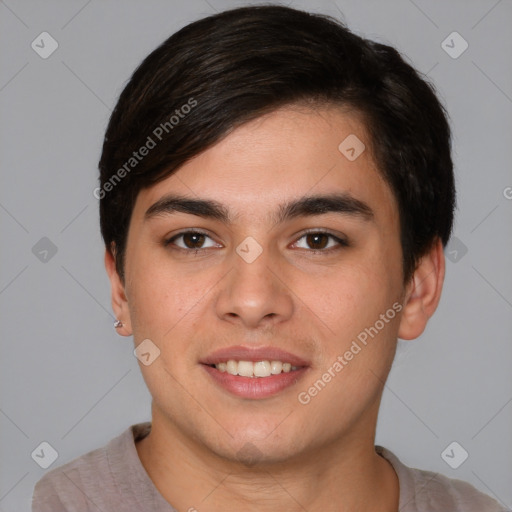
x: 68, y: 379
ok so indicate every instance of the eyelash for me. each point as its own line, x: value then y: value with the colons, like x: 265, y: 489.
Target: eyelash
x: 341, y: 242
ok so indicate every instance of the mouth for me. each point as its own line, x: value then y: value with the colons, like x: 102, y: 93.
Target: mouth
x: 257, y: 369
x: 254, y: 373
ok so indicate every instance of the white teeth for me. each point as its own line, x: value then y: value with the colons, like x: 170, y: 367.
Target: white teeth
x: 258, y: 369
x: 276, y: 367
x: 245, y: 368
x: 261, y: 369
x: 232, y: 367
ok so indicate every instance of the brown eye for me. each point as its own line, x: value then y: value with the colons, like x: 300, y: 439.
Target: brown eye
x: 320, y: 241
x: 191, y: 240
x: 317, y: 240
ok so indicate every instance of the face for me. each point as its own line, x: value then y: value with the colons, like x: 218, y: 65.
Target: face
x: 237, y: 274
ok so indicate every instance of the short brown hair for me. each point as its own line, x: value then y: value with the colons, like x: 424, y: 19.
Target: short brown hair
x: 239, y: 64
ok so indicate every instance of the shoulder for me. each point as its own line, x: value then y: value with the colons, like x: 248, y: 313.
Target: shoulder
x: 68, y: 487
x: 427, y: 491
x: 85, y: 483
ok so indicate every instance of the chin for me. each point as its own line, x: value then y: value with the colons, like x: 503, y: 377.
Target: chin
x: 258, y: 450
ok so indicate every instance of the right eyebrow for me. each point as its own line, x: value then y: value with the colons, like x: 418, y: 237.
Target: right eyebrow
x: 201, y: 207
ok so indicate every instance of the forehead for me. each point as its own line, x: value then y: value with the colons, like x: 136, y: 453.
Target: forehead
x: 287, y: 154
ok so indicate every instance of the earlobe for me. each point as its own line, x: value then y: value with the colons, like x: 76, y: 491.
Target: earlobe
x: 118, y: 296
x: 423, y: 293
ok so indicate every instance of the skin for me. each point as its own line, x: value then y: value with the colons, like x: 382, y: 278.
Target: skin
x: 301, y: 457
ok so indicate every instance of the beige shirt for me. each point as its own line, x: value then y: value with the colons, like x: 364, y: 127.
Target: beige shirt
x: 112, y: 478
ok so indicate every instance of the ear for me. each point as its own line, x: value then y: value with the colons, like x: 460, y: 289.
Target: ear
x: 119, y: 300
x: 423, y: 293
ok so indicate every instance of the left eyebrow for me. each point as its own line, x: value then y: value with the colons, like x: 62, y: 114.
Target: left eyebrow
x: 343, y: 204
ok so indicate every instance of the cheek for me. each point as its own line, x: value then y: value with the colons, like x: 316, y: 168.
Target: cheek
x: 352, y: 305
x: 354, y: 296
x: 160, y: 297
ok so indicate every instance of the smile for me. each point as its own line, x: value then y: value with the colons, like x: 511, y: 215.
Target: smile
x: 254, y: 372
x: 255, y: 369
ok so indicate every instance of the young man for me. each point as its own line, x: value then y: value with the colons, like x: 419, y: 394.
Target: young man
x: 275, y: 195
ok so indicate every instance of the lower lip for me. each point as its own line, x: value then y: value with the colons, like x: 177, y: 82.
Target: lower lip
x: 255, y: 387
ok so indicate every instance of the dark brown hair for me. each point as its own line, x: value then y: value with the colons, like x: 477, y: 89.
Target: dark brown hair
x: 221, y: 71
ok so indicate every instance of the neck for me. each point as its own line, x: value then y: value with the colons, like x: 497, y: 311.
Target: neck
x: 347, y: 472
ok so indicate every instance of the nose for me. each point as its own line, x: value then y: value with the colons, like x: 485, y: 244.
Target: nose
x: 255, y: 293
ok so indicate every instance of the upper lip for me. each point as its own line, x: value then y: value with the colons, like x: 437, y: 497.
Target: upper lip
x: 254, y: 354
